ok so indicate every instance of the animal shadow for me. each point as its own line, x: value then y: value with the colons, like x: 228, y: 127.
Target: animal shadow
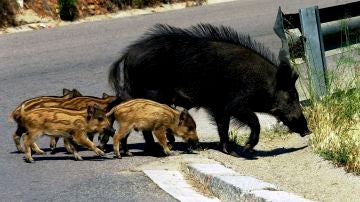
x: 240, y: 152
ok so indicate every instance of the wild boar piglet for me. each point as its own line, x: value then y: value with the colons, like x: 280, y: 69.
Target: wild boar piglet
x: 147, y: 115
x: 72, y: 125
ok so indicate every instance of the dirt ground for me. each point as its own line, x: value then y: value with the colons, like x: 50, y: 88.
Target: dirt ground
x: 291, y: 165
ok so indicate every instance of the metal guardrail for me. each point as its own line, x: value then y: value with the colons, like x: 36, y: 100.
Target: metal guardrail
x: 304, y: 32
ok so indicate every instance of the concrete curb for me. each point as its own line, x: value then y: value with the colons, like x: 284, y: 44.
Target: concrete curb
x: 173, y: 182
x: 228, y: 185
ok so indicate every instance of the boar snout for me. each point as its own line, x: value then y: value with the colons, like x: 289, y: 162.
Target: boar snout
x: 305, y: 133
x: 193, y: 143
x: 298, y: 126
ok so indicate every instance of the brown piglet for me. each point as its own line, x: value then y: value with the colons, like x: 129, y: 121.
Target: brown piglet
x: 72, y: 125
x: 147, y: 115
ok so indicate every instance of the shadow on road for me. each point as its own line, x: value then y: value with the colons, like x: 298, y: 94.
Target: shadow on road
x: 239, y: 150
x: 140, y: 149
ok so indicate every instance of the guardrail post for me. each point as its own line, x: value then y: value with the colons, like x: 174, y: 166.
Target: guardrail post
x: 314, y: 49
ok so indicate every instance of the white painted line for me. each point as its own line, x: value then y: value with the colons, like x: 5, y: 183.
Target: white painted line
x: 174, y: 183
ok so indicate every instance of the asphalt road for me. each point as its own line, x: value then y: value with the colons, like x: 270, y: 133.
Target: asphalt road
x: 78, y: 56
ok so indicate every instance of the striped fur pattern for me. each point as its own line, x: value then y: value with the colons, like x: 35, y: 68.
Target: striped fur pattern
x: 147, y: 115
x: 33, y: 103
x: 72, y: 125
x: 80, y: 103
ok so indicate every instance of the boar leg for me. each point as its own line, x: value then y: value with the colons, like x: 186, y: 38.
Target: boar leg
x: 17, y: 137
x: 81, y: 138
x: 171, y: 138
x: 125, y: 145
x: 119, y: 135
x: 222, y: 122
x: 91, y: 136
x: 29, y: 139
x: 71, y: 144
x: 53, y: 142
x: 103, y: 137
x: 149, y: 141
x: 249, y: 118
x: 36, y: 149
x: 160, y: 134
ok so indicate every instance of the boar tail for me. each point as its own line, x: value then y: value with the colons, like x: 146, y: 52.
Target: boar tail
x: 11, y: 117
x: 118, y: 78
x: 15, y: 115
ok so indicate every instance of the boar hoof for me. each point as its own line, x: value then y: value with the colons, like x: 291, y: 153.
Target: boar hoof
x: 78, y: 157
x: 168, y: 153
x: 128, y: 153
x: 170, y: 145
x: 39, y: 152
x: 29, y: 160
x: 20, y: 149
x: 117, y: 155
x: 225, y: 148
x: 99, y: 152
x: 102, y: 148
x: 249, y: 148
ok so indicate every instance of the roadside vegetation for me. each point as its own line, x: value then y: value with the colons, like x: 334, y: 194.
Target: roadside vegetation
x: 8, y: 10
x: 70, y: 10
x: 335, y: 118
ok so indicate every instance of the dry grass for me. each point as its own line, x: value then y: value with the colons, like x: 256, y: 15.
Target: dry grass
x: 335, y: 123
x: 335, y: 118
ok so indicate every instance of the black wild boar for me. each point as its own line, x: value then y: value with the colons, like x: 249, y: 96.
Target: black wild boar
x: 214, y: 67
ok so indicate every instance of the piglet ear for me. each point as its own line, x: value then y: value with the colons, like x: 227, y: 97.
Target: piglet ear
x: 184, y: 113
x: 90, y: 109
x: 66, y: 91
x: 104, y: 95
x: 76, y: 93
x: 90, y: 112
x: 183, y: 116
x: 96, y: 106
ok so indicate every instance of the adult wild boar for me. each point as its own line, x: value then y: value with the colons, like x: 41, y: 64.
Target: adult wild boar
x: 214, y: 67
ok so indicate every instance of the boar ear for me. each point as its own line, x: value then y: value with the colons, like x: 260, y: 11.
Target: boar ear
x: 286, y: 76
x: 96, y: 107
x: 90, y: 109
x: 183, y: 116
x: 76, y: 93
x: 104, y: 95
x: 66, y: 91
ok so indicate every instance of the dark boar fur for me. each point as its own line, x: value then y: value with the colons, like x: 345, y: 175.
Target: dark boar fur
x: 42, y: 101
x: 214, y: 67
x: 70, y: 124
x: 147, y: 115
